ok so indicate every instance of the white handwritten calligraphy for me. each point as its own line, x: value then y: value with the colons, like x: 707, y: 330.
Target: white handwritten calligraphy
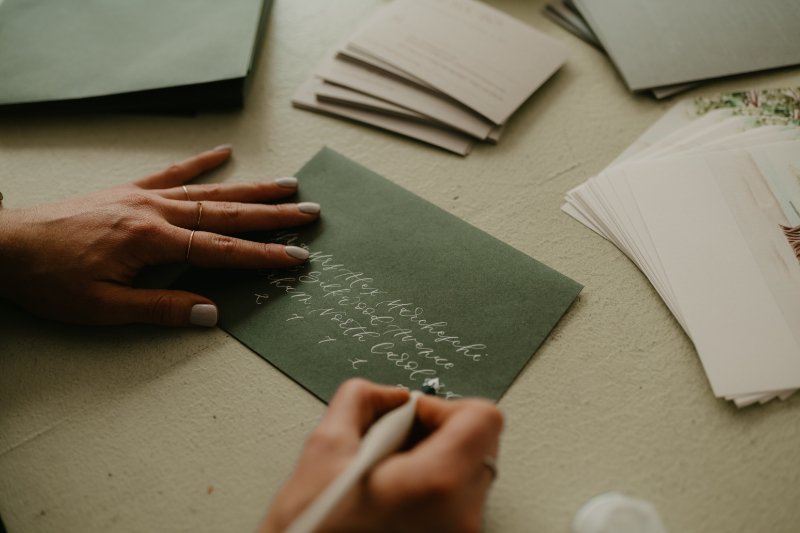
x: 391, y: 330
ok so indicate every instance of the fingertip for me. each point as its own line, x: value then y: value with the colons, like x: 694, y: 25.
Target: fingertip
x: 204, y: 315
x: 289, y: 182
x: 309, y: 208
x: 213, y: 158
x: 296, y: 252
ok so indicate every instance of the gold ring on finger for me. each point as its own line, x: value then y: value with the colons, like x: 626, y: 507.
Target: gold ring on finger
x: 199, y: 215
x: 491, y: 464
x: 186, y: 191
x: 189, y: 246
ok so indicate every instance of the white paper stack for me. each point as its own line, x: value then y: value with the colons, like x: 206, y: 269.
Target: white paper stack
x: 707, y: 204
x: 447, y: 72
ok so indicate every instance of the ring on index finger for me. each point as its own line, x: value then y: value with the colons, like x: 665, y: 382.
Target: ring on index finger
x: 199, y: 215
x: 186, y: 191
x: 189, y: 246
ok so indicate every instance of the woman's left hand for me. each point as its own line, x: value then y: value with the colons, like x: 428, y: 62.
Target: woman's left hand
x: 74, y: 260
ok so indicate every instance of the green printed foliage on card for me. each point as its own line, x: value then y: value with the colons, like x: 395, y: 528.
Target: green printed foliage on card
x: 396, y: 291
x: 770, y: 106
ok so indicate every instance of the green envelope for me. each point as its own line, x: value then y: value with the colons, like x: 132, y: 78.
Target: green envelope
x: 396, y: 290
x: 159, y: 55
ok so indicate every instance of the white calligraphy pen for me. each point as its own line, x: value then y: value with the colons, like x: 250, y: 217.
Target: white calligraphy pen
x: 384, y: 437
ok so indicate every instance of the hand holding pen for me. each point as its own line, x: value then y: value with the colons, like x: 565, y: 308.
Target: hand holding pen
x: 437, y: 482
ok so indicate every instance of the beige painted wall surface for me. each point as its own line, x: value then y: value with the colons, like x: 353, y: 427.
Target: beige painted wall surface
x: 130, y: 429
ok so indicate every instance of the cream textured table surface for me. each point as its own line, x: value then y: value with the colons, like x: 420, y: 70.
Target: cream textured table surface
x: 146, y: 429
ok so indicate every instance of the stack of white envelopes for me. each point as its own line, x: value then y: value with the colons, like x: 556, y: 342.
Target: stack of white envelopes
x: 446, y: 72
x: 707, y: 204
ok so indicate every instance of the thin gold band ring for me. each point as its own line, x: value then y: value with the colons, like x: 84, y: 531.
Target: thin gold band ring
x: 199, y: 215
x: 189, y: 246
x: 196, y: 228
x: 491, y: 463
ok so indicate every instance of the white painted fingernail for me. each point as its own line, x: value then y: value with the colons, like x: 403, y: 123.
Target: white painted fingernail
x: 296, y: 252
x: 289, y: 183
x: 204, y: 315
x: 311, y: 208
x: 222, y: 147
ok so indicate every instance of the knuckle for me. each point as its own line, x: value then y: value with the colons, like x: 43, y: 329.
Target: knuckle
x: 212, y: 190
x: 231, y: 210
x: 285, y: 210
x: 142, y: 229
x: 441, y: 486
x: 162, y: 309
x: 323, y: 441
x: 139, y: 200
x: 223, y: 244
x: 271, y: 252
x: 174, y: 170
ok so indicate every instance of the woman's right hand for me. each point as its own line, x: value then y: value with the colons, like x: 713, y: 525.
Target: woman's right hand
x: 438, y: 485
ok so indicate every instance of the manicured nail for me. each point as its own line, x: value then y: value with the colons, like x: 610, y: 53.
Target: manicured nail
x: 289, y: 183
x: 311, y: 208
x: 222, y: 147
x: 296, y: 252
x: 204, y: 315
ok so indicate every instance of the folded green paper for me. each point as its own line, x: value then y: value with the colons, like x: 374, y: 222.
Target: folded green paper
x: 179, y: 55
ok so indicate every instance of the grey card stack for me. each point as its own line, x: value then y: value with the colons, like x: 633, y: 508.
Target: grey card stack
x: 668, y: 47
x: 446, y: 72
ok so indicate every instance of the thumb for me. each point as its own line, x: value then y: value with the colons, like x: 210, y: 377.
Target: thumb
x: 160, y: 307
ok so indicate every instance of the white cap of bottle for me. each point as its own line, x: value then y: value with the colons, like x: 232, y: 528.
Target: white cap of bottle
x: 614, y: 512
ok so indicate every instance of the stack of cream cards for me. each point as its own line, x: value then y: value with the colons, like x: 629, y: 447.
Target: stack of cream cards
x: 707, y: 204
x: 446, y: 72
